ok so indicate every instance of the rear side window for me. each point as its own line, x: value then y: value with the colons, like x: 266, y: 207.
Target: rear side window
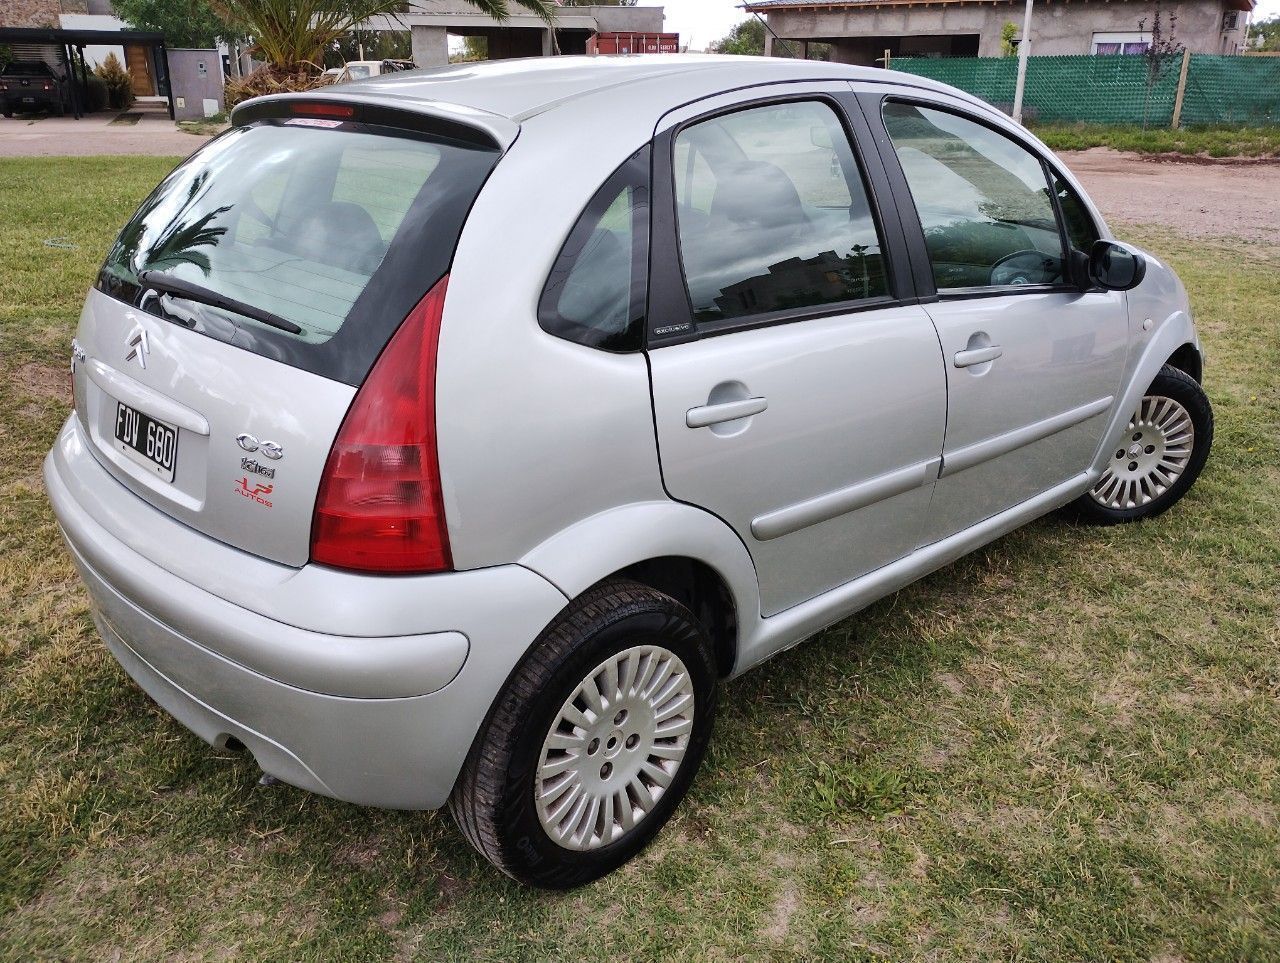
x: 773, y: 213
x: 297, y: 220
x: 595, y: 294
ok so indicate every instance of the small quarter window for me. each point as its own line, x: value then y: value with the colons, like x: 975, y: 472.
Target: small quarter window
x: 1081, y: 232
x: 773, y: 213
x: 595, y: 294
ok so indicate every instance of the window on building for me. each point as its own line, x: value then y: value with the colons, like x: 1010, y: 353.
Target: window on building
x: 1137, y: 42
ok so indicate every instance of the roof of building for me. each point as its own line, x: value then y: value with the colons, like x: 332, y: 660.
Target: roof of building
x: 78, y: 38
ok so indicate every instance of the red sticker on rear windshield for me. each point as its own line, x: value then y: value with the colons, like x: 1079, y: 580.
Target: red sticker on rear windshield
x: 312, y: 122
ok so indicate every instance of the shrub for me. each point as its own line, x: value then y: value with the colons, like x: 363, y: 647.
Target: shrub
x: 118, y: 82
x: 95, y: 94
x: 269, y: 79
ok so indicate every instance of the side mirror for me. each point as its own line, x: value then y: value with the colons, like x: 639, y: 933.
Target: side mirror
x: 1114, y: 267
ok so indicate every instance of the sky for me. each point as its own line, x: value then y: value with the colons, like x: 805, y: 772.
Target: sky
x: 701, y: 21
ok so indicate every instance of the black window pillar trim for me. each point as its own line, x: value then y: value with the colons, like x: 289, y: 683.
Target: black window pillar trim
x: 872, y: 103
x: 669, y: 315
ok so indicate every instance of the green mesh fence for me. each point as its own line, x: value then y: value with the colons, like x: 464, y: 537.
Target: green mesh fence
x: 1232, y: 90
x: 1118, y: 89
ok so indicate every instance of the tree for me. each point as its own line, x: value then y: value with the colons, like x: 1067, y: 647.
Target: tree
x: 293, y: 35
x: 362, y: 44
x: 1008, y: 34
x: 1161, y: 52
x: 184, y: 23
x: 746, y: 38
x: 1265, y: 34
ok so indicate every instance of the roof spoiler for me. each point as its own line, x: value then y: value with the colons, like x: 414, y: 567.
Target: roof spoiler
x: 463, y: 124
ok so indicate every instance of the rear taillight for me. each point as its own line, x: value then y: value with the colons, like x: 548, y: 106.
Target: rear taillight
x: 379, y: 508
x: 320, y: 109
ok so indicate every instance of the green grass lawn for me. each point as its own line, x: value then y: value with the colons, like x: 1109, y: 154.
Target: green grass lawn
x: 1209, y: 141
x: 1063, y: 747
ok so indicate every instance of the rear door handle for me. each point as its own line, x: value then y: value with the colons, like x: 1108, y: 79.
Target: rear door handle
x: 967, y: 359
x: 728, y: 411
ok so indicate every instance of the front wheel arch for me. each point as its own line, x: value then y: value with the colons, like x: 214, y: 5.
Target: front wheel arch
x: 1188, y: 360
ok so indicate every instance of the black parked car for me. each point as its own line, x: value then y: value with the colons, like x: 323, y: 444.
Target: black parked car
x: 28, y: 86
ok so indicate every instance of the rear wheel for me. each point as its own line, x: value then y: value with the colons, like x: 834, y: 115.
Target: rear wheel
x: 1158, y: 458
x: 593, y: 741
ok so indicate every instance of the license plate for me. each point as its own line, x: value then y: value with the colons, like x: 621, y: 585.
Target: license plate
x: 150, y: 443
x: 28, y: 100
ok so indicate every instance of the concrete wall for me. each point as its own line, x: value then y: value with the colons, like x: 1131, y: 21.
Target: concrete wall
x: 1060, y: 27
x: 29, y: 13
x: 522, y: 35
x: 195, y: 77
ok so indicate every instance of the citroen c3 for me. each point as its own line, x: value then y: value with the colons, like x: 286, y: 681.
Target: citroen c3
x: 446, y: 439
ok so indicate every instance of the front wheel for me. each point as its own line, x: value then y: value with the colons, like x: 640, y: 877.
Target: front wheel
x: 1158, y: 458
x: 593, y: 741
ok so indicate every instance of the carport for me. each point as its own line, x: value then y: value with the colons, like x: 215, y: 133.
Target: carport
x: 71, y: 44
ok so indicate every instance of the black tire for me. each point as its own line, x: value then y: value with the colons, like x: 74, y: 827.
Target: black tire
x: 8, y: 113
x: 1182, y: 388
x: 493, y: 801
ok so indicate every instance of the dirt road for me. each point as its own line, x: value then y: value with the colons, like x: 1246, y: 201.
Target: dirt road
x: 1197, y: 199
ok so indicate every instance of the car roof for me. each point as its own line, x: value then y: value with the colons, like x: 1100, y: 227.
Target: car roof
x: 523, y: 88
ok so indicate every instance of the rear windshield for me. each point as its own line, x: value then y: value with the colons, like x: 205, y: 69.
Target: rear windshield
x: 297, y: 218
x: 36, y: 68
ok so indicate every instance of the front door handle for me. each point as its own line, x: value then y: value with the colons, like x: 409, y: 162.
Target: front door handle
x: 707, y: 415
x: 973, y: 356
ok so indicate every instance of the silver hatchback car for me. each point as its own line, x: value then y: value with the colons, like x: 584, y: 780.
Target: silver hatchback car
x: 444, y: 439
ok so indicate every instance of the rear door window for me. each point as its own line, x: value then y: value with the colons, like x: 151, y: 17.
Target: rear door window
x: 773, y: 213
x: 297, y: 220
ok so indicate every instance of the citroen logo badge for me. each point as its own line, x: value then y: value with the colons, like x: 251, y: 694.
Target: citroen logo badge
x: 267, y: 448
x: 138, y: 347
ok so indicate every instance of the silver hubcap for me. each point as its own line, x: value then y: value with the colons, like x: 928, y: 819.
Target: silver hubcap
x: 614, y: 747
x: 1152, y: 456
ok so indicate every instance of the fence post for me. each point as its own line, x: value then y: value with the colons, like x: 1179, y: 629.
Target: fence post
x: 1182, y: 89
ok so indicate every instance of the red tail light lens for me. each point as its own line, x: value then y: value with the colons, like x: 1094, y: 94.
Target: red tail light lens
x: 379, y: 508
x: 314, y: 109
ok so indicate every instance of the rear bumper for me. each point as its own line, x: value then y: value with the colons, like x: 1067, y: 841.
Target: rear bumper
x: 384, y: 720
x: 39, y: 100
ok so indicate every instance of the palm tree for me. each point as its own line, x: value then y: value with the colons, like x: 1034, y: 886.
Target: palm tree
x: 291, y: 35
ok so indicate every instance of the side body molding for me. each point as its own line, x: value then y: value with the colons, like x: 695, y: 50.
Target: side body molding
x: 990, y: 448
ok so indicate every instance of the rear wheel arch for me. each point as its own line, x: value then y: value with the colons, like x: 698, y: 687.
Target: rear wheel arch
x: 1188, y: 360
x: 699, y: 588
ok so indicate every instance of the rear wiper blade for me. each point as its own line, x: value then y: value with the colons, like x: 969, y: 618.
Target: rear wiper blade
x: 168, y: 284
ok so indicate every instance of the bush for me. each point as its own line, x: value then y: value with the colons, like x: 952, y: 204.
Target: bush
x: 272, y: 80
x: 95, y: 94
x: 118, y: 82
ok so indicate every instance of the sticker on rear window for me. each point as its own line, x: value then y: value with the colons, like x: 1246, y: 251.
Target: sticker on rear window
x: 313, y: 122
